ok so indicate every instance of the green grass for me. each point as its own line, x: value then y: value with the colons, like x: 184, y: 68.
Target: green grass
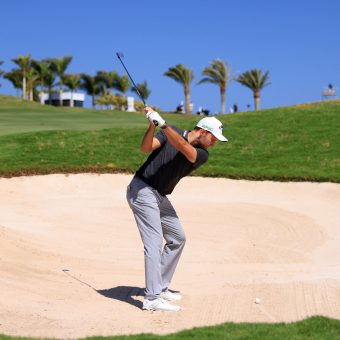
x: 299, y: 143
x: 17, y: 116
x: 314, y: 328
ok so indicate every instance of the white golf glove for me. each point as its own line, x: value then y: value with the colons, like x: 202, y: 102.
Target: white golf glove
x: 155, y: 118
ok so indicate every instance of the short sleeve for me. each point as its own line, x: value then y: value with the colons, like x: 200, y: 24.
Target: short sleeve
x: 161, y: 136
x: 202, y: 157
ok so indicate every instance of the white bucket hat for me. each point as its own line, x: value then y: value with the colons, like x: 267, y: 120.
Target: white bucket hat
x: 214, y: 126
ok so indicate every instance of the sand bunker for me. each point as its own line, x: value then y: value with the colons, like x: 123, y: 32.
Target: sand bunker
x: 71, y: 261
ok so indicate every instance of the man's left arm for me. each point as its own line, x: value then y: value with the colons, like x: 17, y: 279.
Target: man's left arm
x: 179, y: 143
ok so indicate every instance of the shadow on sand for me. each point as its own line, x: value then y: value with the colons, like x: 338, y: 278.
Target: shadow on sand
x: 121, y: 293
x: 124, y: 293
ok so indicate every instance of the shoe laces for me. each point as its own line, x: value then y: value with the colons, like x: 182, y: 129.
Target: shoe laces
x: 162, y: 300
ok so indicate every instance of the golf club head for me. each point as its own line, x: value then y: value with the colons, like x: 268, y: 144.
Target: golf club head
x: 120, y: 55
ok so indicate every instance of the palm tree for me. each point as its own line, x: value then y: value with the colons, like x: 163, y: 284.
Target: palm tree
x: 217, y: 73
x: 15, y: 77
x: 32, y: 80
x: 101, y: 101
x: 108, y: 100
x: 1, y: 71
x: 72, y: 81
x: 90, y: 86
x: 107, y: 79
x: 123, y: 84
x: 184, y: 76
x: 49, y: 83
x: 256, y: 81
x: 42, y: 69
x: 110, y: 79
x: 120, y: 101
x: 59, y: 66
x: 143, y: 90
x: 101, y: 82
x: 24, y: 63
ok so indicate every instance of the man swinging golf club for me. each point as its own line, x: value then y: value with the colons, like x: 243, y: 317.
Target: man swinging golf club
x: 174, y: 154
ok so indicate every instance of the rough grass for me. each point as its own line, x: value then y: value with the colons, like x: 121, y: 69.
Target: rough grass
x: 314, y: 328
x: 299, y: 143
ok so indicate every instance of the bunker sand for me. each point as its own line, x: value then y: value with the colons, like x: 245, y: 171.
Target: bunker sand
x: 71, y: 259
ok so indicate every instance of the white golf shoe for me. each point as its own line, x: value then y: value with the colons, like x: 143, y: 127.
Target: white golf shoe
x: 160, y: 304
x: 169, y: 296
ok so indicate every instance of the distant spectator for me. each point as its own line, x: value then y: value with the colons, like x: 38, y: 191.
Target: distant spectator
x: 202, y: 111
x: 180, y: 108
x: 235, y: 108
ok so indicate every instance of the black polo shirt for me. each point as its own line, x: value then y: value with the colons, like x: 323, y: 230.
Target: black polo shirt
x: 165, y: 166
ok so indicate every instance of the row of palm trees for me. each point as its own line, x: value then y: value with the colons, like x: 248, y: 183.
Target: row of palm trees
x: 218, y: 73
x: 49, y: 73
x: 31, y: 74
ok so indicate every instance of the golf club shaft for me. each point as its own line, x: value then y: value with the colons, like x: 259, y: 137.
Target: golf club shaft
x: 134, y: 85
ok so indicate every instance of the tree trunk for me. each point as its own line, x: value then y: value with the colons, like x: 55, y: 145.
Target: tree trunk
x: 61, y: 95
x: 187, y: 99
x: 42, y: 102
x: 93, y: 102
x: 24, y: 94
x: 223, y: 100
x: 72, y: 102
x: 41, y: 97
x: 257, y: 100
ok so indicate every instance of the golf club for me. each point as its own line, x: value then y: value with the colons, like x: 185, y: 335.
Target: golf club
x: 120, y: 56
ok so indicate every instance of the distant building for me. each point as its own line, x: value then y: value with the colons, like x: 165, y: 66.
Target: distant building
x: 78, y: 99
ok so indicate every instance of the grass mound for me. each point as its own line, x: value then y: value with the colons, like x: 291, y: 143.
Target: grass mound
x: 298, y: 143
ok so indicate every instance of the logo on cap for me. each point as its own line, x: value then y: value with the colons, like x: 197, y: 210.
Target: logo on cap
x: 207, y: 127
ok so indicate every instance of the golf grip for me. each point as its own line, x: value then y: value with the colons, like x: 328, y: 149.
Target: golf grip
x: 155, y: 122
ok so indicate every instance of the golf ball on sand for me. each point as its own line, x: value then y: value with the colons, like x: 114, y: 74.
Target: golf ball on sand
x: 257, y: 301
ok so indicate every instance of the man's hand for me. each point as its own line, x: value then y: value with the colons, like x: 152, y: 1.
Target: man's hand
x: 155, y: 118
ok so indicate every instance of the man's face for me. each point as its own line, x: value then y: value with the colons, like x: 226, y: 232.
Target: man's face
x: 206, y: 139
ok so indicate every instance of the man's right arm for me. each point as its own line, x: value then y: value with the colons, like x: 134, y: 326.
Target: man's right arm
x: 149, y: 142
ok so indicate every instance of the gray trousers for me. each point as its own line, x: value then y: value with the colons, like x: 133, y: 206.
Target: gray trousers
x: 156, y: 220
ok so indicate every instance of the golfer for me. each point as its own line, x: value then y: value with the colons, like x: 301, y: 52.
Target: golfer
x: 174, y: 154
